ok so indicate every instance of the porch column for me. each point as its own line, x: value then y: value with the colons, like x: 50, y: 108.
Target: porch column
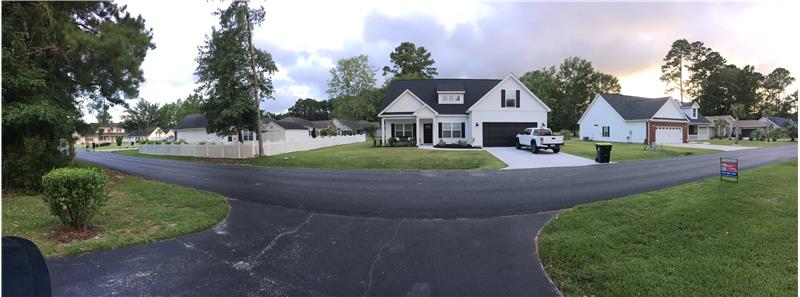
x: 417, y: 133
x: 383, y: 131
x: 435, y: 126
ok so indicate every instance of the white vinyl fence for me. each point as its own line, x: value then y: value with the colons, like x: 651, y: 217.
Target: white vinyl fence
x: 248, y: 149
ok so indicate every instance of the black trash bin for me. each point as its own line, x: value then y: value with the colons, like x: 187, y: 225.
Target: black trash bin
x: 603, y: 152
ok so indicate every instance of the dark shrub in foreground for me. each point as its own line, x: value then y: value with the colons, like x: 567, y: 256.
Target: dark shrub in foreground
x: 75, y: 195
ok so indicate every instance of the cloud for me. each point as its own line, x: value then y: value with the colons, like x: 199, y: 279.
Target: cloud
x: 470, y: 39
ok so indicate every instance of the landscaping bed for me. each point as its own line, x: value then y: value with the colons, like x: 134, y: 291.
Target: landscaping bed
x: 139, y: 211
x: 628, y: 152
x: 707, y: 238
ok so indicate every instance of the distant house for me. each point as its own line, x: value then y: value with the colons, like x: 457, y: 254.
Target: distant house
x: 699, y: 126
x: 103, y: 133
x: 152, y: 134
x: 323, y: 125
x: 192, y: 129
x: 286, y: 130
x: 777, y: 122
x: 746, y: 127
x: 623, y: 118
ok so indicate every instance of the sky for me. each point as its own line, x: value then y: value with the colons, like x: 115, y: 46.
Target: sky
x: 467, y: 39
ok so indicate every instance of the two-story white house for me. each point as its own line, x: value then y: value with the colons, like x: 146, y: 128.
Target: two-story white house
x: 479, y: 112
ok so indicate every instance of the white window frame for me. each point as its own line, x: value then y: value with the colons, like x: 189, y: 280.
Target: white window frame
x: 248, y: 135
x: 606, y: 131
x: 449, y: 130
x: 511, y: 96
x: 403, y: 130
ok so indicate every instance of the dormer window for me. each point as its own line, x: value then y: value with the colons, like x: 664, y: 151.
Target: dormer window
x: 451, y: 98
x: 694, y: 113
x: 510, y: 98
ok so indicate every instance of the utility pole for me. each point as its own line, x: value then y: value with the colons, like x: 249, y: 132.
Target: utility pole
x: 255, y: 82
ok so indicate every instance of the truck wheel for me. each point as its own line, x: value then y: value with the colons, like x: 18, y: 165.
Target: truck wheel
x: 516, y: 143
x: 534, y: 148
x: 556, y: 149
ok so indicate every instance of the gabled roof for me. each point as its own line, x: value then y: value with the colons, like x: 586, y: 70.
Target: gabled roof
x: 449, y: 87
x: 322, y: 124
x: 780, y: 121
x: 426, y: 90
x: 699, y: 120
x: 144, y: 132
x: 192, y: 121
x: 633, y: 107
x: 301, y: 121
x: 289, y: 125
x: 750, y: 124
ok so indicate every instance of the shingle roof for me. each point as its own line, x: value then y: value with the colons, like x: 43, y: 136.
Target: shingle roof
x: 144, y: 132
x: 301, y: 121
x: 634, y: 108
x: 699, y: 120
x: 449, y: 87
x: 289, y: 125
x: 780, y: 121
x: 426, y: 89
x: 322, y: 124
x: 750, y: 124
x: 195, y: 120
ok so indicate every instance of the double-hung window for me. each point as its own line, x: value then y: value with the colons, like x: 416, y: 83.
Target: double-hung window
x: 606, y: 131
x: 451, y: 130
x: 511, y: 98
x: 403, y: 130
x: 248, y: 135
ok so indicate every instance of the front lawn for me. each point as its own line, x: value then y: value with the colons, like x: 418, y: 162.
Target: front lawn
x: 364, y: 156
x: 139, y: 211
x: 748, y: 143
x: 627, y: 152
x: 707, y: 238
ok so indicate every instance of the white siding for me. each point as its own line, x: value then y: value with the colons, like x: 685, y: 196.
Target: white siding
x: 404, y: 103
x: 669, y: 111
x: 198, y: 135
x: 490, y: 110
x: 600, y: 114
x: 452, y: 119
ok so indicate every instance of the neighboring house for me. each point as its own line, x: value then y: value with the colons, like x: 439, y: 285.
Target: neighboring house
x: 342, y: 128
x: 323, y: 125
x: 153, y: 134
x: 103, y: 133
x: 286, y: 130
x: 480, y: 112
x: 622, y: 118
x: 777, y: 122
x: 717, y: 132
x: 699, y: 126
x: 745, y: 127
x: 192, y: 129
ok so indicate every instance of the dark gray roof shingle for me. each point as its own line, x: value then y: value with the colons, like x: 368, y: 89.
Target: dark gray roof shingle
x: 426, y: 89
x: 699, y: 120
x: 634, y: 108
x: 289, y: 125
x: 780, y: 121
x: 192, y: 121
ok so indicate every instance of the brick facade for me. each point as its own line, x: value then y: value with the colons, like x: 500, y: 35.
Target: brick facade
x: 651, y: 128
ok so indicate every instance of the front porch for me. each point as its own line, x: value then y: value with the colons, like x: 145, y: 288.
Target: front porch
x: 699, y: 132
x: 417, y: 130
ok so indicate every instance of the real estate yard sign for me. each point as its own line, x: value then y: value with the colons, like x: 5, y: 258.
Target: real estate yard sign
x: 729, y: 169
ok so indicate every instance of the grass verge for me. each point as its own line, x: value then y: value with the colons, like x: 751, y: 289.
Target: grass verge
x: 707, y: 238
x: 139, y: 211
x: 628, y: 152
x: 361, y: 156
x: 748, y: 143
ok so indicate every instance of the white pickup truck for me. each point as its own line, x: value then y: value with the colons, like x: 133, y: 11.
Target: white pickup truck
x: 539, y: 138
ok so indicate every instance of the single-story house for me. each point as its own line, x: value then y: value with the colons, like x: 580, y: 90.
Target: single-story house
x: 632, y: 119
x: 480, y: 112
x: 777, y: 122
x: 323, y: 125
x: 745, y: 127
x: 192, y: 129
x: 716, y: 131
x: 341, y: 127
x: 152, y: 133
x: 699, y: 126
x: 286, y: 130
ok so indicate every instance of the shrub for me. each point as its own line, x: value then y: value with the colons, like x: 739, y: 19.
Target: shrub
x: 75, y: 195
x: 440, y: 143
x: 566, y: 133
x: 118, y: 139
x: 26, y: 161
x: 461, y: 142
x: 392, y: 141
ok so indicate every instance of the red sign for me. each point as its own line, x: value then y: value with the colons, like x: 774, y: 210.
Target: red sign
x: 729, y: 166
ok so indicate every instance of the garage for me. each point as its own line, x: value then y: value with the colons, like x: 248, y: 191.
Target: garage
x: 502, y: 134
x: 667, y: 134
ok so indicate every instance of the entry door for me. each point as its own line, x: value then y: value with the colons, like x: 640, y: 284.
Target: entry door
x: 427, y: 133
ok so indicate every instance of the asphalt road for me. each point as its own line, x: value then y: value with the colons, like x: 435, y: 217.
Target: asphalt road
x: 362, y: 232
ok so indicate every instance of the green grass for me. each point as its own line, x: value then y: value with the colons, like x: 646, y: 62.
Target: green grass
x: 361, y: 156
x: 364, y: 156
x: 748, y: 143
x: 628, y: 152
x: 139, y: 211
x: 707, y: 238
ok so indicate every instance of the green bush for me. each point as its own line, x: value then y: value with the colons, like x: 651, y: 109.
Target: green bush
x: 25, y: 162
x: 75, y: 195
x: 118, y: 139
x: 566, y: 133
x: 392, y: 141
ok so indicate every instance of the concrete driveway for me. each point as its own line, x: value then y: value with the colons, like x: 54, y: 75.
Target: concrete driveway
x: 519, y: 159
x: 725, y: 148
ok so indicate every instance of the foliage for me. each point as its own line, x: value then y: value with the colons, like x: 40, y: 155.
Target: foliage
x: 757, y: 134
x: 569, y: 89
x: 681, y: 55
x: 410, y: 62
x: 56, y: 57
x: 170, y: 114
x: 773, y: 86
x: 118, y: 140
x: 790, y: 129
x: 567, y: 134
x: 103, y: 116
x: 141, y: 116
x: 225, y: 75
x: 371, y: 131
x: 75, y: 195
x: 351, y: 77
x: 719, y: 126
x: 392, y: 141
x: 362, y: 107
x: 311, y: 109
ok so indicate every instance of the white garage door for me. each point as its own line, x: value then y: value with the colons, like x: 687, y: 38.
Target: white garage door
x: 669, y: 135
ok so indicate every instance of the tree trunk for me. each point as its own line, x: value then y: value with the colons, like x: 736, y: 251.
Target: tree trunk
x: 255, y: 83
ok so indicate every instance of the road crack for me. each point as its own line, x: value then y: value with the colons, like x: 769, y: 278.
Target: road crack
x: 378, y: 258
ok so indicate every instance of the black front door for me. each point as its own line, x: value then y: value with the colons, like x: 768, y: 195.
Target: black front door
x: 427, y: 133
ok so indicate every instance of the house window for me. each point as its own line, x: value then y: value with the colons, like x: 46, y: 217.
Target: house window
x: 693, y: 130
x: 248, y: 135
x: 230, y: 138
x: 694, y: 113
x: 511, y: 98
x: 451, y: 130
x: 450, y: 98
x: 403, y: 130
x: 606, y: 131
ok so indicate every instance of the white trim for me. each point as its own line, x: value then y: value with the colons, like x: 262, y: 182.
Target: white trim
x: 424, y: 106
x: 511, y: 75
x: 604, y: 99
x: 676, y: 104
x: 401, y: 95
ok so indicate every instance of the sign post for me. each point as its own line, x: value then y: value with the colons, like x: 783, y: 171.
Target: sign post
x: 729, y: 169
